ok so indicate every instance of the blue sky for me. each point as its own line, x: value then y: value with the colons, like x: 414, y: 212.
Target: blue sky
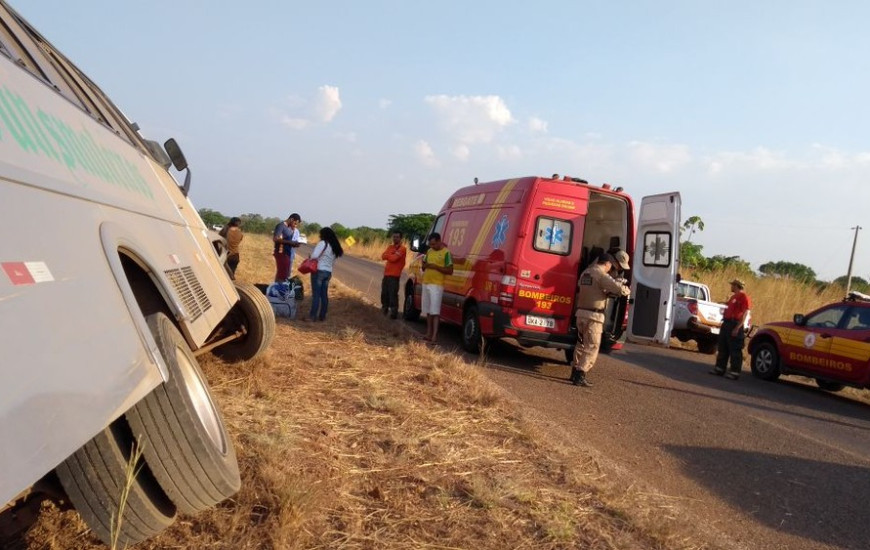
x: 352, y: 111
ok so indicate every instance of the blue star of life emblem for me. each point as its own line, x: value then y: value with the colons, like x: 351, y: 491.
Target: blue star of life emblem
x: 553, y: 236
x: 500, y: 235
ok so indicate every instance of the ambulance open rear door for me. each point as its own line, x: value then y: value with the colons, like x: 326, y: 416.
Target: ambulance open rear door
x: 654, y: 269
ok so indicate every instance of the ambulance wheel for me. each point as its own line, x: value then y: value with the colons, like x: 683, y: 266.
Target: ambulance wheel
x: 94, y: 478
x: 765, y: 361
x: 182, y: 434
x: 409, y: 312
x: 254, y: 313
x: 471, y: 337
x: 829, y: 386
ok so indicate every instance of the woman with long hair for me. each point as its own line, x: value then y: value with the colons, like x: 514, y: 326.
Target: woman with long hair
x: 326, y: 251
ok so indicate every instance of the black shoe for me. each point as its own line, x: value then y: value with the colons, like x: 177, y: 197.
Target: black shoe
x: 717, y: 371
x: 732, y: 375
x: 578, y: 378
x: 394, y: 314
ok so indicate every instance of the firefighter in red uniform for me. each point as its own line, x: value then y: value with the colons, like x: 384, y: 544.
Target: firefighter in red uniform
x: 732, y: 334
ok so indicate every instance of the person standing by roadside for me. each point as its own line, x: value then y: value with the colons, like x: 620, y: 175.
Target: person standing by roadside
x: 593, y: 288
x: 394, y: 255
x: 437, y: 265
x: 286, y: 238
x: 232, y: 232
x: 732, y: 334
x: 325, y: 252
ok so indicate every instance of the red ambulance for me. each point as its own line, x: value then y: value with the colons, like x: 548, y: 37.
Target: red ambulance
x: 518, y: 248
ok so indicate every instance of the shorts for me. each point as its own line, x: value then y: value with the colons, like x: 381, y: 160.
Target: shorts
x: 432, y: 295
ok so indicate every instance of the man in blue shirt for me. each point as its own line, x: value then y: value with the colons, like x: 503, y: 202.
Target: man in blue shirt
x: 286, y: 238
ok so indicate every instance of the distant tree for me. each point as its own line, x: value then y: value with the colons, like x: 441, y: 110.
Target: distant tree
x: 858, y: 283
x: 212, y: 217
x: 255, y: 223
x: 788, y: 270
x: 410, y: 224
x: 366, y: 234
x: 692, y: 224
x: 341, y: 231
x: 720, y: 262
x: 310, y: 228
x: 690, y: 255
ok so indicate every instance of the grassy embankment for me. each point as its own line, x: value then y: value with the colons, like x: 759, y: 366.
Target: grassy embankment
x: 350, y: 434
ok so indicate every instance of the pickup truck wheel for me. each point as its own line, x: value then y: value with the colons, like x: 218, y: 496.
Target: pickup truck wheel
x: 829, y: 386
x: 182, y: 434
x: 254, y: 312
x: 409, y: 312
x: 94, y: 479
x: 708, y: 345
x: 765, y: 361
x: 471, y: 330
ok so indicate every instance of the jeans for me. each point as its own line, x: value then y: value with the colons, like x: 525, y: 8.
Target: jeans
x: 730, y: 347
x: 319, y: 294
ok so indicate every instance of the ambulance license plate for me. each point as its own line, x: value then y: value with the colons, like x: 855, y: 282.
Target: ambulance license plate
x: 535, y: 321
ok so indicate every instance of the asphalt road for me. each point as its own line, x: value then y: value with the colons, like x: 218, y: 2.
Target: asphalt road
x: 761, y: 465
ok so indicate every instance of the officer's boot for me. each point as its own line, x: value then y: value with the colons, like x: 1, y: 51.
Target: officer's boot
x: 578, y: 378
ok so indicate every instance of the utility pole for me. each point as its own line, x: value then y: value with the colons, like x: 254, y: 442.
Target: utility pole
x: 851, y: 260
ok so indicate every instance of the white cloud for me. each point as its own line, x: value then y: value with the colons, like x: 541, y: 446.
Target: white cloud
x: 425, y: 154
x: 537, y: 125
x: 295, y: 123
x: 659, y: 157
x: 349, y: 137
x: 322, y: 108
x: 471, y: 119
x: 510, y: 152
x: 461, y: 152
x: 384, y: 103
x: 328, y: 103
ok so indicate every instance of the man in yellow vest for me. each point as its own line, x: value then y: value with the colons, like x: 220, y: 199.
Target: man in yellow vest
x: 593, y: 288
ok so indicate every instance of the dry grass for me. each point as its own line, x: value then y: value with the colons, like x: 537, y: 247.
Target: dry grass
x: 351, y: 434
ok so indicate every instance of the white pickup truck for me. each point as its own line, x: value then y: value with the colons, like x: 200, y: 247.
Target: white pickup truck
x: 696, y: 317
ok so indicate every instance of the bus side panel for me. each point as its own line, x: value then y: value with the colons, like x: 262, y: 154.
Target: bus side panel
x: 72, y: 359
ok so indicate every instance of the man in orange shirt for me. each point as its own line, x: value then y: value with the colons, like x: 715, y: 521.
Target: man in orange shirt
x: 732, y: 333
x: 394, y: 255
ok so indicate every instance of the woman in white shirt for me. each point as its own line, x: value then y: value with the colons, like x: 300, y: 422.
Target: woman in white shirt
x: 326, y: 252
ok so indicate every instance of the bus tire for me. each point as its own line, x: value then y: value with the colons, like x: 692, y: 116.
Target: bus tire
x: 254, y: 312
x: 94, y: 479
x: 181, y: 431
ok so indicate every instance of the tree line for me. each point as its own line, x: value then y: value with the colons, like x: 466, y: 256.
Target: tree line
x: 692, y: 256
x: 407, y: 224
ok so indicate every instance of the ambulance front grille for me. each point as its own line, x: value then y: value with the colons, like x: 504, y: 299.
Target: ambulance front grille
x: 189, y: 292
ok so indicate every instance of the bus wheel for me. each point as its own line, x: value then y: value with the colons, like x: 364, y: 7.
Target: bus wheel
x: 254, y: 312
x: 409, y: 312
x: 96, y: 476
x: 182, y: 434
x: 471, y: 337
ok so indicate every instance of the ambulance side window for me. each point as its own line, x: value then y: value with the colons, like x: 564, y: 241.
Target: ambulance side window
x: 438, y: 226
x: 553, y: 235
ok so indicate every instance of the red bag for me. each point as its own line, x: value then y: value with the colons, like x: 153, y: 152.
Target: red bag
x: 308, y: 265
